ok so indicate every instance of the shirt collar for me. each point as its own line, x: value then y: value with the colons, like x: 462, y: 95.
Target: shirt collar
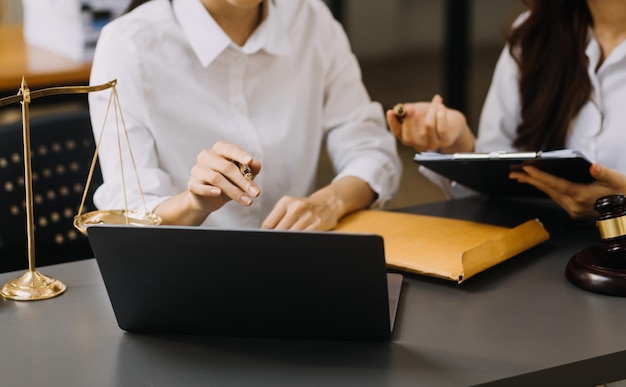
x: 594, y: 53
x: 208, y: 40
x: 592, y: 50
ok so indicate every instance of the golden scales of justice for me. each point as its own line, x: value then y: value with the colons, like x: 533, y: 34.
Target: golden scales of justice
x: 34, y: 285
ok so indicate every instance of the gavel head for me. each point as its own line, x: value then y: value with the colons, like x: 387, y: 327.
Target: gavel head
x: 612, y: 223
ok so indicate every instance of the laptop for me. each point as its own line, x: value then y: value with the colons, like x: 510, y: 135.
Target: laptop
x: 247, y: 282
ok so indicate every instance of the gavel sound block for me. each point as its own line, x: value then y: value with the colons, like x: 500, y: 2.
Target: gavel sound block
x: 602, y: 268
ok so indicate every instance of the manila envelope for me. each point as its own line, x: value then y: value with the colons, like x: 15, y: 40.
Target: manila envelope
x: 451, y: 249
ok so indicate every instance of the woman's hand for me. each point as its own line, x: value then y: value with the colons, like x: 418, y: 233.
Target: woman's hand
x: 323, y: 209
x: 432, y: 126
x: 215, y: 179
x: 291, y: 213
x: 577, y: 199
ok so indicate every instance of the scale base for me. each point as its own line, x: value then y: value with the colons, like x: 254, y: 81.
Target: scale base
x: 32, y: 286
x: 592, y: 270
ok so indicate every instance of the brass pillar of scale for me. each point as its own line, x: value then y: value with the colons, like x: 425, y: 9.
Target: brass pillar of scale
x: 33, y: 285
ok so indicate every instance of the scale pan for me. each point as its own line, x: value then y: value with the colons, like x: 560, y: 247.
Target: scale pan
x: 135, y: 218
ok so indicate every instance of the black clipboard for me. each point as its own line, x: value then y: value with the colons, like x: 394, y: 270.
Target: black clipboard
x: 488, y: 173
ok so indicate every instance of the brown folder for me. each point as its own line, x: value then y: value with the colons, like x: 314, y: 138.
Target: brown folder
x: 441, y: 247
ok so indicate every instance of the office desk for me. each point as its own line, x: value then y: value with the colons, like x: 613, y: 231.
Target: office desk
x: 40, y: 67
x: 519, y: 323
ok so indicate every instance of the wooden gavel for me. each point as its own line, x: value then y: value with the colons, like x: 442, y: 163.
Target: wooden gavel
x: 602, y: 268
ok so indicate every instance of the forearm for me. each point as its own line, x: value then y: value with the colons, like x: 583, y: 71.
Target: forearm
x: 181, y: 210
x: 345, y: 195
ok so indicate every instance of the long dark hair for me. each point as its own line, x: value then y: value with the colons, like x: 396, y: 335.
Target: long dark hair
x: 549, y: 47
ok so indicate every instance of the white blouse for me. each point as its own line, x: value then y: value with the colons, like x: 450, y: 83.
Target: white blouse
x: 184, y: 85
x: 599, y: 130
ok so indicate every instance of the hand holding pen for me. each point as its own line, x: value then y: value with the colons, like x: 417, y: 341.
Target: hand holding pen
x: 430, y: 126
x: 224, y: 172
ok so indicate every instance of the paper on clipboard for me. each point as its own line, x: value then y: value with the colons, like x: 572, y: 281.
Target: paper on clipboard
x: 488, y: 173
x: 446, y: 248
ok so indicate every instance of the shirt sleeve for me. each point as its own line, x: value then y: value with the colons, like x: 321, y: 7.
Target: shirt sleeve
x: 500, y: 115
x: 357, y: 138
x: 127, y: 156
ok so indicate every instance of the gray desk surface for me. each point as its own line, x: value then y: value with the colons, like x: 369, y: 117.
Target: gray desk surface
x: 519, y: 323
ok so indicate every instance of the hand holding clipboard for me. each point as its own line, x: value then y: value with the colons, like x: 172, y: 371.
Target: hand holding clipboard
x: 488, y: 173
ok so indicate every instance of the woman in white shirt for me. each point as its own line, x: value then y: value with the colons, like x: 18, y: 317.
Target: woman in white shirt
x: 559, y: 83
x: 203, y: 83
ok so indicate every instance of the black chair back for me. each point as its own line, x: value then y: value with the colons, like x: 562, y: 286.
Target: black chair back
x: 62, y: 148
